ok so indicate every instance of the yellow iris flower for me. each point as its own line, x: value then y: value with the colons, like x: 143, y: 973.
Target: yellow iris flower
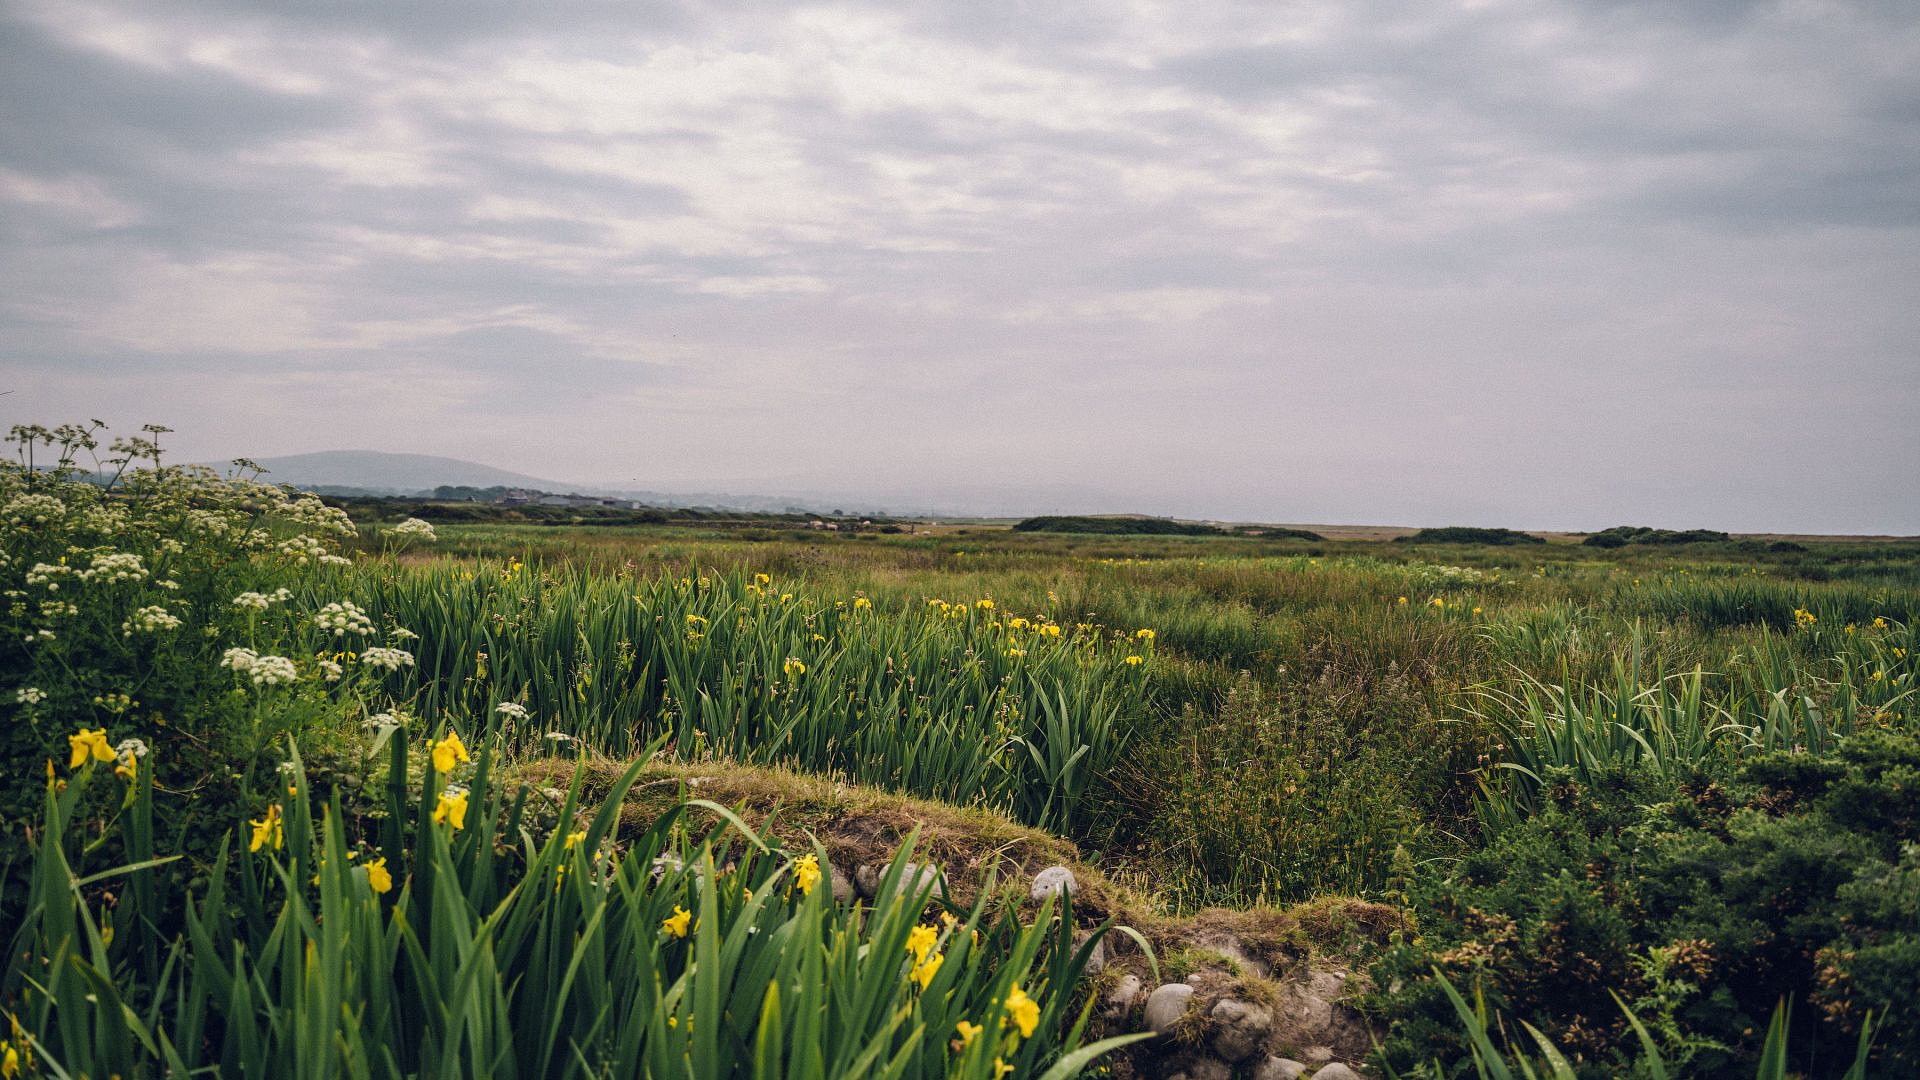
x: 1022, y: 1012
x: 676, y: 924
x: 89, y: 743
x: 451, y: 808
x: 921, y: 940
x: 449, y: 750
x: 267, y: 830
x: 806, y: 873
x: 378, y: 877
x: 923, y: 972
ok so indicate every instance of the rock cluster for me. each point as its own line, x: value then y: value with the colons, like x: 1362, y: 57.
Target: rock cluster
x: 1247, y: 1019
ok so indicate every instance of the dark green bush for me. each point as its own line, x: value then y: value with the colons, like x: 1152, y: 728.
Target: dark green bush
x: 1463, y: 534
x: 1622, y: 535
x: 1118, y: 526
x: 1703, y: 904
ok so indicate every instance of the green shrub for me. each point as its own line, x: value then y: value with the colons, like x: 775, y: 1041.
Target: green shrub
x: 1284, y: 797
x: 177, y: 613
x: 1707, y: 900
x: 1622, y: 535
x: 1466, y: 534
x: 1118, y: 526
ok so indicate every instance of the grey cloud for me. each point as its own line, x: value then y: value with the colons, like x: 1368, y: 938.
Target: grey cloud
x: 1539, y: 265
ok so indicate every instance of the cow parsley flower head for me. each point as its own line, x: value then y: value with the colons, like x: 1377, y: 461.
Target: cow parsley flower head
x: 387, y: 659
x: 272, y: 671
x: 152, y: 619
x: 343, y: 617
x: 115, y: 567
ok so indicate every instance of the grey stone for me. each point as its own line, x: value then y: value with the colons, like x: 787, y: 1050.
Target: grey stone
x: 1096, y: 957
x: 914, y: 877
x: 1053, y: 881
x: 1120, y: 998
x: 1336, y: 1071
x: 842, y: 888
x: 1165, y: 1005
x: 665, y: 862
x: 1232, y: 949
x: 1327, y: 984
x: 1239, y: 1029
x: 1308, y: 1013
x: 1318, y: 1055
x: 866, y: 879
x: 1279, y: 1068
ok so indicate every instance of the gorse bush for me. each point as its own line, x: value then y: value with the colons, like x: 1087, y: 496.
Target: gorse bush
x: 1703, y: 902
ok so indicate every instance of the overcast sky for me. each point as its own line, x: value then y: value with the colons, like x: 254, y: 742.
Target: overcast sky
x: 1549, y: 265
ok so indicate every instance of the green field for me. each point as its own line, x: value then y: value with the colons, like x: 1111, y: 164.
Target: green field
x: 1661, y: 801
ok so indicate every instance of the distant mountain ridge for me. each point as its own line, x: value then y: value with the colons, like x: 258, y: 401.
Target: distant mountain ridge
x: 379, y: 472
x: 382, y: 473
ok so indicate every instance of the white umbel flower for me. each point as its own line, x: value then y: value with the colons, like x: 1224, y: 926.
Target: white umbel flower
x: 273, y: 671
x: 343, y: 617
x: 152, y: 619
x: 387, y: 659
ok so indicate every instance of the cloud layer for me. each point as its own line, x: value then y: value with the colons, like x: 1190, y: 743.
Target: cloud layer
x: 1549, y: 265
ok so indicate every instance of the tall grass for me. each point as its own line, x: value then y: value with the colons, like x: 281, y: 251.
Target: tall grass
x: 1770, y: 696
x: 1536, y: 1057
x: 415, y: 943
x: 961, y: 700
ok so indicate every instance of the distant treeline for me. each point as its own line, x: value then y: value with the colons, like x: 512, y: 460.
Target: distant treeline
x: 1152, y: 526
x: 1622, y: 535
x: 1462, y: 534
x: 387, y: 509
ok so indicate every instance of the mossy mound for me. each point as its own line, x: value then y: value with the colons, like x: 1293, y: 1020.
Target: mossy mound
x: 1278, y: 957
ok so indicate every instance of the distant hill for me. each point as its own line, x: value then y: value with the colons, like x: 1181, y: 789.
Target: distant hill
x: 376, y: 472
x: 381, y: 473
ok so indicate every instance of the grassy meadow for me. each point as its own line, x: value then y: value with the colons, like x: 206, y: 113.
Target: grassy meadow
x: 289, y: 793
